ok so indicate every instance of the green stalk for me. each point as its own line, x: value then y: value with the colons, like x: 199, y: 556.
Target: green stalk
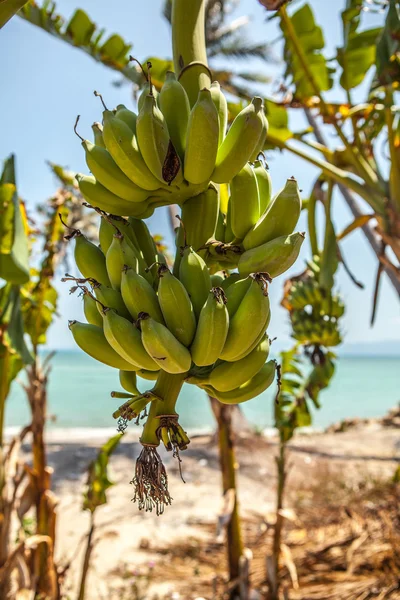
x: 167, y: 387
x: 394, y: 179
x: 189, y: 46
x: 276, y: 544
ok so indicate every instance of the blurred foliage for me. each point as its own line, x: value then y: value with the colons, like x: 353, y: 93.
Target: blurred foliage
x: 98, y: 481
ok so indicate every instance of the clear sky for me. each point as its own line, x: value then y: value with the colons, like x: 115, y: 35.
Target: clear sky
x: 46, y: 83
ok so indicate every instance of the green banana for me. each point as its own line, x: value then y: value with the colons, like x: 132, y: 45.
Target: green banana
x: 279, y: 219
x: 199, y: 217
x: 124, y: 337
x: 263, y: 329
x: 230, y: 280
x: 123, y: 146
x: 146, y: 89
x: 248, y: 321
x: 155, y: 144
x: 90, y: 309
x: 217, y: 279
x: 176, y: 307
x: 145, y: 241
x: 261, y: 142
x: 212, y: 329
x: 92, y: 340
x: 202, y: 140
x: 139, y: 296
x: 228, y: 376
x: 222, y: 109
x: 244, y: 203
x: 105, y: 170
x: 163, y: 347
x: 264, y: 183
x: 239, y: 143
x: 235, y: 293
x: 127, y: 380
x: 174, y: 104
x: 119, y: 255
x: 97, y: 129
x: 274, y: 257
x: 110, y: 299
x: 111, y: 224
x: 148, y: 375
x: 99, y: 196
x: 194, y: 275
x: 252, y: 388
x: 127, y: 116
x: 90, y: 260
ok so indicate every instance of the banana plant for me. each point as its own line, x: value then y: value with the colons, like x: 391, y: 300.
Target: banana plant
x: 353, y: 164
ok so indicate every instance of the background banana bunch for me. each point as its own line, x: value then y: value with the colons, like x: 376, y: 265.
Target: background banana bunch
x: 314, y: 312
x: 204, y: 319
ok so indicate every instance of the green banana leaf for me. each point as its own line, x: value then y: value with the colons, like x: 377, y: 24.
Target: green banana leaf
x: 11, y: 324
x: 311, y: 41
x: 357, y: 55
x: 8, y: 8
x: 14, y: 253
x: 98, y: 481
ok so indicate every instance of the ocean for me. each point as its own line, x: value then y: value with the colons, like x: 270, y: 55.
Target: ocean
x: 79, y: 395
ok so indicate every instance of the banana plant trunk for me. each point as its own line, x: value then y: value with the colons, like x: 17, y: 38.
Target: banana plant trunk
x: 223, y: 416
x: 273, y: 563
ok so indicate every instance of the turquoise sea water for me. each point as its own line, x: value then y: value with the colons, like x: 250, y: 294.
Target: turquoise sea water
x: 79, y: 395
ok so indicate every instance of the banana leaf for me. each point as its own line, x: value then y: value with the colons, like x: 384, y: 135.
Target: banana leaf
x: 98, y: 481
x: 14, y: 253
x: 8, y: 8
x: 388, y: 48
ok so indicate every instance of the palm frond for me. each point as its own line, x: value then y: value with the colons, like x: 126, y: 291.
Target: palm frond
x: 239, y: 47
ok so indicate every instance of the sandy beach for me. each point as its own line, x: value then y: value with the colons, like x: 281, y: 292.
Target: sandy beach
x: 133, y: 549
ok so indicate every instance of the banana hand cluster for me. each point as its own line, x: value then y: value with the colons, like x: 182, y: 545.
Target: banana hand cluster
x: 169, y: 151
x: 314, y: 313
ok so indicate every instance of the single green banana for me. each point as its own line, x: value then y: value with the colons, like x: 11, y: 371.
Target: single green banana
x: 261, y: 142
x: 127, y: 116
x: 90, y: 260
x: 127, y: 380
x: 248, y: 321
x: 212, y: 329
x: 274, y: 257
x: 119, y: 255
x: 110, y: 299
x: 90, y: 309
x: 228, y: 376
x: 252, y: 388
x: 174, y: 104
x: 99, y: 196
x: 92, y: 340
x: 217, y: 279
x: 155, y: 144
x: 194, y: 275
x: 97, y: 129
x: 145, y: 241
x: 176, y: 306
x: 202, y: 140
x: 264, y: 183
x: 148, y: 375
x: 222, y: 109
x: 139, y: 296
x: 279, y: 219
x: 231, y: 279
x: 163, y: 347
x: 239, y: 143
x: 122, y: 144
x: 263, y: 329
x: 244, y: 202
x: 104, y: 169
x: 235, y: 293
x: 124, y: 337
x: 199, y: 217
x: 220, y: 227
x: 145, y: 92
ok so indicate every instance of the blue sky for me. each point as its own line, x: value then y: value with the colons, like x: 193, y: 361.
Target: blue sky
x: 49, y: 83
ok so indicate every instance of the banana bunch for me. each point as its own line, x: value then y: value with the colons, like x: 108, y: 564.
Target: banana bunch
x: 142, y: 318
x: 314, y: 312
x: 169, y: 151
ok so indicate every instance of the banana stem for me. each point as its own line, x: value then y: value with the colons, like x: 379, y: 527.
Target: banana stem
x: 276, y: 544
x: 189, y: 46
x: 312, y: 229
x: 167, y: 387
